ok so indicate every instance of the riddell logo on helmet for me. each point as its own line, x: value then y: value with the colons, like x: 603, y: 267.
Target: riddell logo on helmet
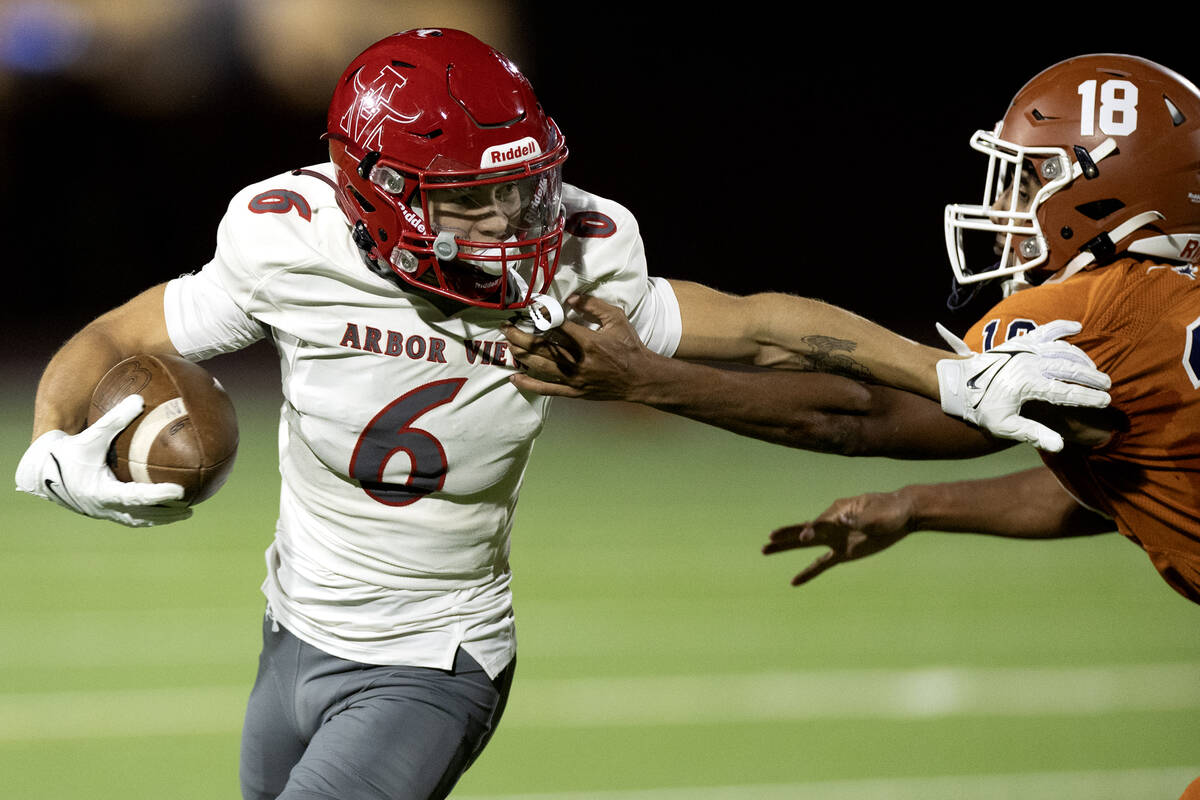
x: 511, y: 153
x: 412, y: 218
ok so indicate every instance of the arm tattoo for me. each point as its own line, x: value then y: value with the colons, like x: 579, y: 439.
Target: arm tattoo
x: 833, y: 355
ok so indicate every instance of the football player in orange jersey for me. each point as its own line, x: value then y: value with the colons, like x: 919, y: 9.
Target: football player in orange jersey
x: 1092, y: 203
x: 1103, y: 227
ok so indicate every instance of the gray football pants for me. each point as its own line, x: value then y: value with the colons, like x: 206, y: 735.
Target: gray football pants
x: 322, y: 728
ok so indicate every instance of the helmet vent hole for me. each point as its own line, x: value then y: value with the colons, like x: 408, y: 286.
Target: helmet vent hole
x: 1099, y: 209
x: 362, y: 201
x: 1039, y: 116
x: 1177, y: 117
x: 403, y: 64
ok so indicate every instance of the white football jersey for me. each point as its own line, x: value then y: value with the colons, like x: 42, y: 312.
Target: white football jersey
x: 402, y: 443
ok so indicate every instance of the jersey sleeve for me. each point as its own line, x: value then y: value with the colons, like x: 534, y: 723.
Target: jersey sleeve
x: 604, y: 256
x: 227, y: 305
x: 657, y: 319
x: 202, y: 318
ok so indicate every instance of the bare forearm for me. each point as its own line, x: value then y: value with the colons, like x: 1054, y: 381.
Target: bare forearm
x: 815, y: 335
x: 1023, y: 505
x: 65, y: 388
x: 799, y: 333
x: 813, y: 411
x: 64, y: 391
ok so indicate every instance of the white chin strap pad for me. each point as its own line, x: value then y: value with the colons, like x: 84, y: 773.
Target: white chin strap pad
x: 546, y: 312
x: 1117, y: 235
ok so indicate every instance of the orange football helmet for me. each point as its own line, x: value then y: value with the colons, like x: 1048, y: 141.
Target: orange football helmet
x: 1097, y: 155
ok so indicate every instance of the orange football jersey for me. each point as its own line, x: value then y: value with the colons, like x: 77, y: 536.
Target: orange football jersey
x: 1141, y: 325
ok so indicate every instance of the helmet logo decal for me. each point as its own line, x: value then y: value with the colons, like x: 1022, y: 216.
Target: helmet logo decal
x: 364, y: 120
x: 511, y: 153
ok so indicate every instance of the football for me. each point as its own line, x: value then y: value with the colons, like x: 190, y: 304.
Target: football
x: 186, y: 434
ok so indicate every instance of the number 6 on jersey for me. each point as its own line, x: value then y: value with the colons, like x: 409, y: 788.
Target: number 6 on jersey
x: 391, y: 432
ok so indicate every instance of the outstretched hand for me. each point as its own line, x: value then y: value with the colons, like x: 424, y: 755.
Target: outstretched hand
x: 851, y: 528
x: 988, y: 389
x: 576, y: 360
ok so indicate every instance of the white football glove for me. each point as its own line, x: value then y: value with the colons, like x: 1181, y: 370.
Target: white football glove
x: 988, y: 388
x: 73, y: 472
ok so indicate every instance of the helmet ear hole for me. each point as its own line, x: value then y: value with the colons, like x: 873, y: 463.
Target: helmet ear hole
x: 1099, y: 209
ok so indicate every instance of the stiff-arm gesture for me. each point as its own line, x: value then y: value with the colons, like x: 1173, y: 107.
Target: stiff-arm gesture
x: 575, y: 360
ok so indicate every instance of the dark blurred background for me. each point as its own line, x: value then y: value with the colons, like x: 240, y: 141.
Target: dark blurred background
x: 759, y: 151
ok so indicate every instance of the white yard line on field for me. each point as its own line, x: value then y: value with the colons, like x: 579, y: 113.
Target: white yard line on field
x: 1138, y: 784
x: 665, y: 700
x: 842, y: 694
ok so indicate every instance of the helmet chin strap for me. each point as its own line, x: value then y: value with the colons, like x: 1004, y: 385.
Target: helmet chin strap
x: 545, y: 312
x: 1106, y: 242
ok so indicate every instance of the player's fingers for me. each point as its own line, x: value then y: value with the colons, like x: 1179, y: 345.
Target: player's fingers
x: 517, y: 337
x: 573, y: 335
x: 1056, y: 353
x: 956, y: 344
x: 560, y: 343
x: 1057, y: 329
x: 528, y: 384
x: 546, y: 364
x: 824, y: 562
x: 1066, y: 394
x: 150, y: 516
x: 788, y: 538
x: 119, y: 493
x: 161, y: 515
x: 165, y: 513
x: 116, y: 419
x: 528, y: 359
x: 1084, y: 375
x: 1059, y: 355
x: 564, y: 344
x: 603, y: 312
x: 1034, y: 433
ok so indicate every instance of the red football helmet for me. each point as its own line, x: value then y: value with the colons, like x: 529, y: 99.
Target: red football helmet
x: 448, y: 169
x: 1097, y: 155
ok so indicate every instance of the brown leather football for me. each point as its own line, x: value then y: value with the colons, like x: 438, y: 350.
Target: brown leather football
x: 186, y: 434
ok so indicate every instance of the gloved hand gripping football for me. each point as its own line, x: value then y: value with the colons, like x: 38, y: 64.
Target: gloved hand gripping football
x: 72, y: 470
x: 987, y: 389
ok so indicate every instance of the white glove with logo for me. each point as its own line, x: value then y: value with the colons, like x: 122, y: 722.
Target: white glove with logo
x: 988, y: 388
x: 73, y: 472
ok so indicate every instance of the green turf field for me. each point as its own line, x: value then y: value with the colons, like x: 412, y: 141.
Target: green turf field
x: 662, y: 657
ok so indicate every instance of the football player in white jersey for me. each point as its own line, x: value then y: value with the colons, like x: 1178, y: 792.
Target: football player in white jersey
x: 384, y: 279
